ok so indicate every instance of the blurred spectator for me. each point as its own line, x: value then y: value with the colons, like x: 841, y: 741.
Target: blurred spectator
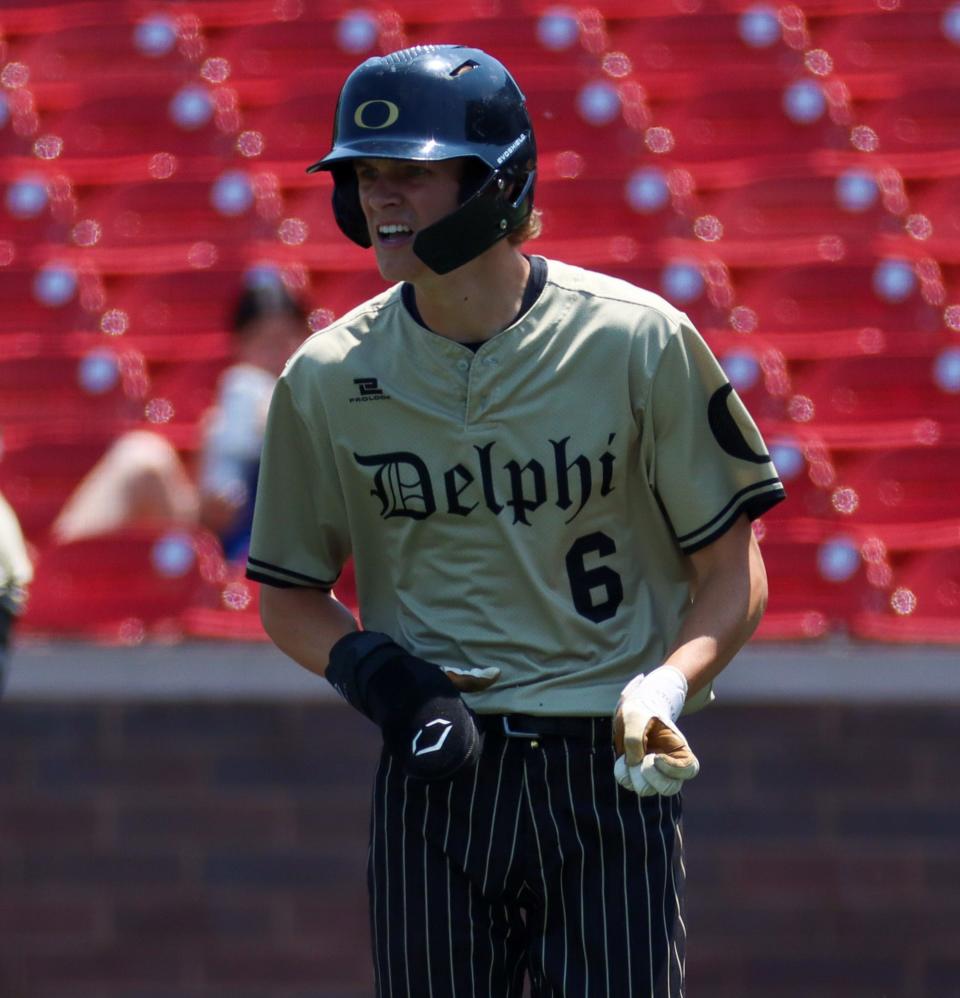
x: 16, y: 572
x: 141, y: 480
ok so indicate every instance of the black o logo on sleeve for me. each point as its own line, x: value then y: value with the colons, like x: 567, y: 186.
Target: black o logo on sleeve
x: 727, y: 430
x: 376, y: 114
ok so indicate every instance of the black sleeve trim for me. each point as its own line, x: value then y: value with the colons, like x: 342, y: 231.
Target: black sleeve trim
x: 753, y: 506
x: 271, y: 580
x: 758, y: 505
x: 291, y: 578
x: 737, y: 501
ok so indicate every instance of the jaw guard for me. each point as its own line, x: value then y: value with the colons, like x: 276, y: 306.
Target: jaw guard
x: 475, y: 226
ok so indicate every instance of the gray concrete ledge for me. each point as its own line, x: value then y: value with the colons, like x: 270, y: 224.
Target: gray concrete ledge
x: 834, y: 670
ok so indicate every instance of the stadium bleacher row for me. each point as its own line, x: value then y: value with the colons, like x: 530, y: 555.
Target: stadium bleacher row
x: 788, y: 174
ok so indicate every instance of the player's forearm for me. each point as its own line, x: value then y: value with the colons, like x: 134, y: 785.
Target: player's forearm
x: 304, y: 623
x: 729, y: 599
x: 405, y: 696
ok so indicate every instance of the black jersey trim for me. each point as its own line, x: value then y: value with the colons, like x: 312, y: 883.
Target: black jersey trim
x: 272, y: 580
x: 536, y: 282
x: 753, y: 505
x: 291, y: 578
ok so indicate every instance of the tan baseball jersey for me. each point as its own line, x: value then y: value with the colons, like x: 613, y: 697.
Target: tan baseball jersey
x: 528, y: 505
x: 16, y: 569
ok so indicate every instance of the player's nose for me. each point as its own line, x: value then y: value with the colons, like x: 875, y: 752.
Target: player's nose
x: 382, y: 193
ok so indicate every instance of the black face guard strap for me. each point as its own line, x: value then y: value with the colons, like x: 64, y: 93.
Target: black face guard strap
x: 475, y: 226
x: 482, y: 220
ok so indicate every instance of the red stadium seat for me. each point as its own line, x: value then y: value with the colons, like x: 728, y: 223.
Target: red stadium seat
x: 722, y: 117
x: 803, y: 603
x: 588, y: 206
x: 16, y: 285
x: 874, y: 389
x: 790, y: 205
x: 510, y: 37
x: 102, y: 45
x: 41, y: 466
x: 168, y: 296
x: 285, y: 51
x: 99, y: 179
x: 50, y: 387
x: 163, y: 212
x: 673, y: 52
x: 124, y: 586
x: 938, y: 200
x: 127, y: 118
x: 923, y: 603
x: 921, y: 119
x: 907, y: 489
x: 907, y: 41
x: 186, y: 391
x: 828, y: 295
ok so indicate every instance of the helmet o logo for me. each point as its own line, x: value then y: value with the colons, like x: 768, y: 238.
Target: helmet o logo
x: 360, y: 116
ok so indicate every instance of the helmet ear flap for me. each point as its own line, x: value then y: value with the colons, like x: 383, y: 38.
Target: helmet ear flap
x: 475, y: 174
x: 491, y: 214
x: 346, y: 205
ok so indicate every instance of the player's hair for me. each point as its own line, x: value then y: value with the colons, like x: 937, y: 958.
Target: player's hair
x: 531, y: 228
x: 263, y: 300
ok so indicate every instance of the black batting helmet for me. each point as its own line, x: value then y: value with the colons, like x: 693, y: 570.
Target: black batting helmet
x: 435, y: 102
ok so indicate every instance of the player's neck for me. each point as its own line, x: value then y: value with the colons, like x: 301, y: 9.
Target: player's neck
x: 477, y: 300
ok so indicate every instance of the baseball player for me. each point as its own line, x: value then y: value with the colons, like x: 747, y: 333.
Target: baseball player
x: 546, y: 484
x: 16, y: 574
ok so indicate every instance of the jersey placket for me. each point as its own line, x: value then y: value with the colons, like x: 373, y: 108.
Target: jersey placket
x: 481, y: 388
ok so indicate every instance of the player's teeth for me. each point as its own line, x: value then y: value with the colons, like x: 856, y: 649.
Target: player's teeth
x: 393, y: 230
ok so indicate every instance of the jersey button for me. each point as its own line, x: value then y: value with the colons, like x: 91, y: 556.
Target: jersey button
x: 534, y: 744
x: 463, y: 364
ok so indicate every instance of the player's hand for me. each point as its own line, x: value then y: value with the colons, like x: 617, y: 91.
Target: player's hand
x: 472, y: 680
x: 424, y: 721
x: 653, y: 755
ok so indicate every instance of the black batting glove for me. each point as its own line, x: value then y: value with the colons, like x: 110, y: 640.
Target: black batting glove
x: 424, y: 721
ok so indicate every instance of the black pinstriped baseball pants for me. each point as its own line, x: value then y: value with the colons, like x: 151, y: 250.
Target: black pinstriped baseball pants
x: 535, y: 863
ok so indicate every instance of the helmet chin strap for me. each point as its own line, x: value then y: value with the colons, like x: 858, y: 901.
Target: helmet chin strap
x: 473, y: 228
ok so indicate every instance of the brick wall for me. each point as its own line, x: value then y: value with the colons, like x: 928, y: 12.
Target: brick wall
x: 183, y: 850
x: 823, y: 852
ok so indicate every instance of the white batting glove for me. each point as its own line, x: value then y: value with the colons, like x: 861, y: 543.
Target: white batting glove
x: 655, y: 756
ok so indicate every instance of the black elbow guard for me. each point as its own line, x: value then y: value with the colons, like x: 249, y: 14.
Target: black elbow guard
x: 420, y: 712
